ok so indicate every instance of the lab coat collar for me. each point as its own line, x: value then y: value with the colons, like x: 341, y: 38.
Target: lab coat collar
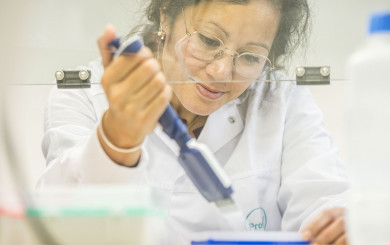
x: 222, y: 126
x: 167, y: 140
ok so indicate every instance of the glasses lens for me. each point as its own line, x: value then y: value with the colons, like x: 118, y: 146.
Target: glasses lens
x: 204, y: 46
x: 251, y: 65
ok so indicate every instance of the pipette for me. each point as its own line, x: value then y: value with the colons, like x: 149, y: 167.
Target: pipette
x: 197, y: 160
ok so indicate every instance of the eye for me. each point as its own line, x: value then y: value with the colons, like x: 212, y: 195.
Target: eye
x: 250, y: 58
x: 208, y: 41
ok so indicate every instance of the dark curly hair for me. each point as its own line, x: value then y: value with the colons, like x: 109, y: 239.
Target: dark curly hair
x: 293, y: 28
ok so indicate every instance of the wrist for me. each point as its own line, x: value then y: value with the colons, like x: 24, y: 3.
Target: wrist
x: 114, y: 147
x: 117, y: 134
x: 124, y: 159
x: 129, y: 156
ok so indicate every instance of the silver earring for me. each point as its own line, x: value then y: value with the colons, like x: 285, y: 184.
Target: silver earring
x: 161, y: 32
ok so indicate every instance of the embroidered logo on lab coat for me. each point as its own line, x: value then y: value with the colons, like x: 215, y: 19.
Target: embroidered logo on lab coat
x: 256, y: 220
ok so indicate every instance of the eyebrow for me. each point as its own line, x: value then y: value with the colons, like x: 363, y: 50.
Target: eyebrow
x: 227, y: 35
x: 220, y: 27
x: 260, y: 44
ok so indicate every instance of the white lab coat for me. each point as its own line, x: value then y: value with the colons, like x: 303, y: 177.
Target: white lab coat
x: 272, y: 145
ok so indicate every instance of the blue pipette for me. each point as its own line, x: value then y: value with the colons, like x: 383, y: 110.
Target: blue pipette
x: 197, y: 160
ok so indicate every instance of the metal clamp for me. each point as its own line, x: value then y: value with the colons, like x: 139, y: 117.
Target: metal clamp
x: 313, y: 75
x: 73, y: 78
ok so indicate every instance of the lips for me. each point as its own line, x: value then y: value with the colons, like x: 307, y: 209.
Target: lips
x: 209, y: 93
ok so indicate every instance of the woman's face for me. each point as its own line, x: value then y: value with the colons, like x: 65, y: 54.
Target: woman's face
x: 249, y: 27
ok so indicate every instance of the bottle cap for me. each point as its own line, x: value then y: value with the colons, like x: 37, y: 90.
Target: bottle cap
x: 380, y: 22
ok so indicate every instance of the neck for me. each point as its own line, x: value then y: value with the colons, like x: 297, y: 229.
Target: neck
x: 193, y: 121
x: 182, y: 111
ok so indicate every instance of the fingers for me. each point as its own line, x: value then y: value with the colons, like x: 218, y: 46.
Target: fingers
x: 322, y: 221
x: 103, y: 41
x: 327, y: 228
x: 157, y: 107
x: 124, y: 65
x: 150, y: 91
x: 136, y: 102
x: 143, y: 74
x: 341, y: 240
x: 331, y: 233
x: 144, y: 78
x: 142, y: 120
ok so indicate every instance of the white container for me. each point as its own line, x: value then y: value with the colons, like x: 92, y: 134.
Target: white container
x: 369, y: 136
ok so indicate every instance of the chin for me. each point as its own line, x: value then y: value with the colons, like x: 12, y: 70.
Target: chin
x: 201, y: 109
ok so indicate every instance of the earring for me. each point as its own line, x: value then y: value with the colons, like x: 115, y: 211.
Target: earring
x: 161, y: 32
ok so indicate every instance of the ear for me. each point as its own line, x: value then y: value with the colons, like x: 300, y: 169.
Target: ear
x: 163, y: 8
x: 164, y: 19
x: 162, y: 15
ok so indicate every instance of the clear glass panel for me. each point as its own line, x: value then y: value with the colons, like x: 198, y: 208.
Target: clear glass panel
x: 215, y: 56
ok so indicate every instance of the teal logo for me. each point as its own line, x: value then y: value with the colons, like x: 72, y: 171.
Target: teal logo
x: 256, y: 220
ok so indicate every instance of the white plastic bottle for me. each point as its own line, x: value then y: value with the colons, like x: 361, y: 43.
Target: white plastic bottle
x: 368, y: 216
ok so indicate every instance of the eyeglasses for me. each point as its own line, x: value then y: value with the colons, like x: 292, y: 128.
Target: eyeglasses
x: 207, y: 47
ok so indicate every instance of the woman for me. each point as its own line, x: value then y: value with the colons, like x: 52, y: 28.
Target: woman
x: 269, y: 137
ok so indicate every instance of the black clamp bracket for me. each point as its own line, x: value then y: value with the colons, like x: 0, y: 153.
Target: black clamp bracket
x: 73, y: 78
x: 313, y: 75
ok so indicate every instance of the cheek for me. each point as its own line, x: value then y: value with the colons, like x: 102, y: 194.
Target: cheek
x: 177, y: 58
x: 238, y: 88
x: 180, y: 88
x: 194, y: 66
x: 185, y: 61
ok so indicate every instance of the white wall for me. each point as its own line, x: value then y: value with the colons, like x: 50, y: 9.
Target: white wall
x: 41, y: 36
x: 339, y: 28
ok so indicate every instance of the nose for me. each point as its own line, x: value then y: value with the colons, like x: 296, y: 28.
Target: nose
x: 221, y: 69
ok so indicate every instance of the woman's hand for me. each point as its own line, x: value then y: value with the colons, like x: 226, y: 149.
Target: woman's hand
x: 137, y: 94
x: 327, y: 228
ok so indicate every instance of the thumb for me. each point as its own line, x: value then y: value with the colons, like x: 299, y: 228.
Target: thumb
x: 103, y: 41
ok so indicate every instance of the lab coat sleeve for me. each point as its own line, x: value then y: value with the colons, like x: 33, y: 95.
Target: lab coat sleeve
x: 312, y: 176
x: 71, y: 146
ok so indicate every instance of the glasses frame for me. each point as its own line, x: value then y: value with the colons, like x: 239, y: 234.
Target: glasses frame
x: 225, y: 50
